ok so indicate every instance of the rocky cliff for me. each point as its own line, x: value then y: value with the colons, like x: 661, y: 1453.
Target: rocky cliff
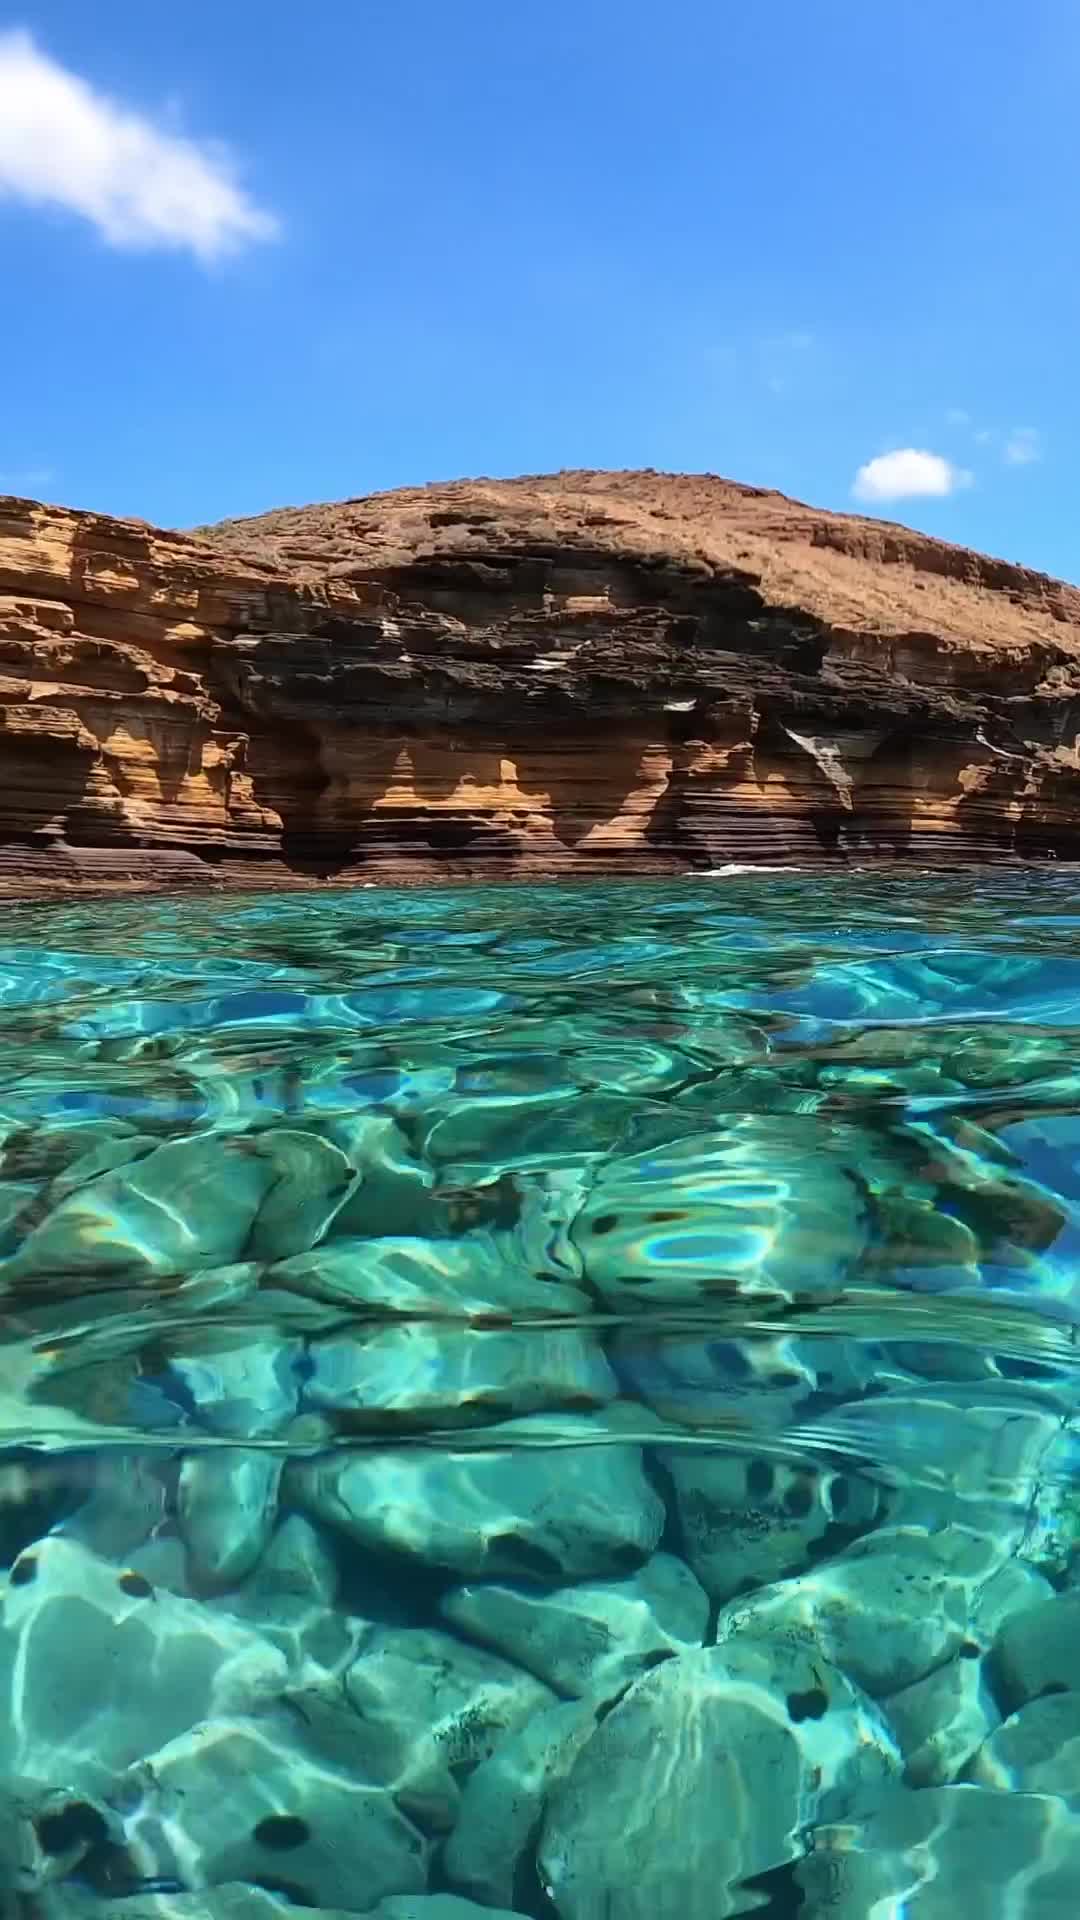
x: 587, y: 672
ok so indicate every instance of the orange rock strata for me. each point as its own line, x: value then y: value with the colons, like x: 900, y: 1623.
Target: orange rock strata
x: 586, y: 673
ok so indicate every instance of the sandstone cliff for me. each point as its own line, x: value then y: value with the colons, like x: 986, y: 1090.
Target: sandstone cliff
x: 588, y: 672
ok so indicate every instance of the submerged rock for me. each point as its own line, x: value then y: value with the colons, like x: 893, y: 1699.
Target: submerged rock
x: 1016, y: 1587
x: 225, y: 1508
x: 747, y: 1520
x: 540, y: 1242
x: 566, y: 1130
x: 125, y: 1506
x: 290, y: 1597
x: 592, y: 1638
x: 1035, y: 1651
x: 299, y: 1561
x: 893, y: 1607
x: 45, y: 1151
x: 432, y: 1374
x: 103, y: 1156
x: 948, y: 1851
x: 45, y: 1832
x: 755, y: 1381
x: 917, y: 1244
x: 18, y: 1212
x: 417, y: 1709
x: 940, y: 1722
x: 241, y: 1900
x: 244, y: 1390
x: 433, y: 1906
x: 1036, y: 1750
x: 967, y: 1456
x: 312, y: 1182
x: 559, y: 1497
x: 69, y: 1620
x: 705, y: 1775
x: 189, y: 1204
x: 394, y: 1192
x: 744, y: 1210
x: 236, y: 1900
x: 504, y: 1798
x: 240, y: 1799
x: 465, y: 1278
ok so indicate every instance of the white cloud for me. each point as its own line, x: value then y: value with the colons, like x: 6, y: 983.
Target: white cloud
x: 62, y: 144
x: 1023, y: 447
x: 907, y: 473
x: 957, y: 417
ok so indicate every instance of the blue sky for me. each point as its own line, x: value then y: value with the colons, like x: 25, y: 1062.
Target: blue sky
x: 256, y: 254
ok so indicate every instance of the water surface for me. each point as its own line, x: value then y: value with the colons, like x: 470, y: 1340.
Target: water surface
x: 561, y: 1399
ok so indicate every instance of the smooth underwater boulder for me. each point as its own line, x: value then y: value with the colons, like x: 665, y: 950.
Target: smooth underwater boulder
x: 704, y: 1776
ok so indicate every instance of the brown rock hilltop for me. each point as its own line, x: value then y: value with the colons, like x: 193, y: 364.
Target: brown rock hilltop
x: 582, y: 672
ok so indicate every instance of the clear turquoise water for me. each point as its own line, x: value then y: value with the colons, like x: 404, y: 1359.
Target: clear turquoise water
x: 559, y: 1399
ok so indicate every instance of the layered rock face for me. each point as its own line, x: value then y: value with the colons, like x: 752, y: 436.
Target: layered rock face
x: 586, y: 672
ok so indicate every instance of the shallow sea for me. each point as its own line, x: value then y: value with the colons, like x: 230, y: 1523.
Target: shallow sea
x: 554, y: 1400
